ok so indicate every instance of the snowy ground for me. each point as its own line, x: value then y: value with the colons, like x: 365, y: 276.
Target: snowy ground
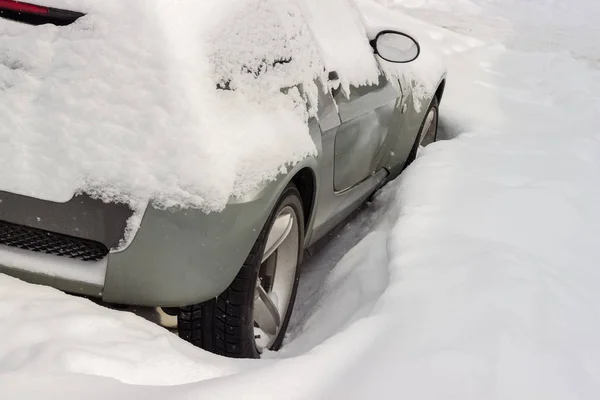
x: 474, y: 276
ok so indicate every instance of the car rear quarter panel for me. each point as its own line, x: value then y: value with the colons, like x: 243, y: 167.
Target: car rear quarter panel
x: 186, y: 256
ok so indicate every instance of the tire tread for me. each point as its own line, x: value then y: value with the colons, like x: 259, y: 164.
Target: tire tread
x: 220, y: 325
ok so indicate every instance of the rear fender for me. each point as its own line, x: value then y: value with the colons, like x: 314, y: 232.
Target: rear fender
x: 185, y: 257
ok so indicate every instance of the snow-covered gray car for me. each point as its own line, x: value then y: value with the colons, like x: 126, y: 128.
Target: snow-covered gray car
x: 231, y: 276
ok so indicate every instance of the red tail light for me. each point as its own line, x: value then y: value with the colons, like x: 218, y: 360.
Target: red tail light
x: 36, y: 15
x: 22, y: 7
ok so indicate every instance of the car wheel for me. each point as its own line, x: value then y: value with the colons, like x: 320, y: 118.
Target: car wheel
x: 427, y: 133
x: 253, y: 313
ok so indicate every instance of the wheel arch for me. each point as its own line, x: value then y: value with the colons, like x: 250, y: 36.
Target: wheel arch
x: 306, y: 182
x: 439, y: 93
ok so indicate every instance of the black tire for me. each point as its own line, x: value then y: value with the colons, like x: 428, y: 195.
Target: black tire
x: 225, y: 325
x: 430, y: 135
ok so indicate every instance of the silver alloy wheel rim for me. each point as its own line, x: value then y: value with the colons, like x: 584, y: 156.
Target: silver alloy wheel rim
x: 429, y: 129
x: 276, y: 278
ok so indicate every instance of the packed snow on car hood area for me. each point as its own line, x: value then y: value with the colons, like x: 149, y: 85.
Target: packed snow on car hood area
x: 474, y: 275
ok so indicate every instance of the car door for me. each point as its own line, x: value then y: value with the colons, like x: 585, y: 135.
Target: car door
x: 366, y: 116
x: 353, y: 148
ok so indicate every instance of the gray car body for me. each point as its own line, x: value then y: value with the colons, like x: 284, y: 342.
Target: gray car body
x: 186, y: 256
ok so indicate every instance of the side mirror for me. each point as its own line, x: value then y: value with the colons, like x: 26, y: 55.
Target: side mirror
x: 395, y: 47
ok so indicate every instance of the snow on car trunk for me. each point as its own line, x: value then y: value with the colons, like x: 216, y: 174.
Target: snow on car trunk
x: 175, y: 102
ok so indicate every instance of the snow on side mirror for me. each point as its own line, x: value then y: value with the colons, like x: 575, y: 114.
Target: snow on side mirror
x: 395, y: 47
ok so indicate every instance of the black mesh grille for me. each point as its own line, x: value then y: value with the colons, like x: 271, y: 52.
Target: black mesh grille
x: 56, y: 244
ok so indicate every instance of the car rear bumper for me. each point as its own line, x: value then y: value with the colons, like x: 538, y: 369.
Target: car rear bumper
x: 176, y: 258
x: 70, y: 275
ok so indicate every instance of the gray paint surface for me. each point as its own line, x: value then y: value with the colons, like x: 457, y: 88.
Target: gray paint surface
x: 81, y: 216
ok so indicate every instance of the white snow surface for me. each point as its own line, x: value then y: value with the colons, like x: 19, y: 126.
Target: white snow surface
x: 475, y: 275
x: 123, y: 104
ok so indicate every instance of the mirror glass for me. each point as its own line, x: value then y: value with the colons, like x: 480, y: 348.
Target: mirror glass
x: 396, y: 47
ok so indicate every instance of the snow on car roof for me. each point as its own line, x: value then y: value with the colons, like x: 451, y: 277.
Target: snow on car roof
x: 131, y: 103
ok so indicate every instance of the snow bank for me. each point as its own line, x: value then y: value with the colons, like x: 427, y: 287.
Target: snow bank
x: 493, y: 261
x: 128, y: 104
x: 42, y: 328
